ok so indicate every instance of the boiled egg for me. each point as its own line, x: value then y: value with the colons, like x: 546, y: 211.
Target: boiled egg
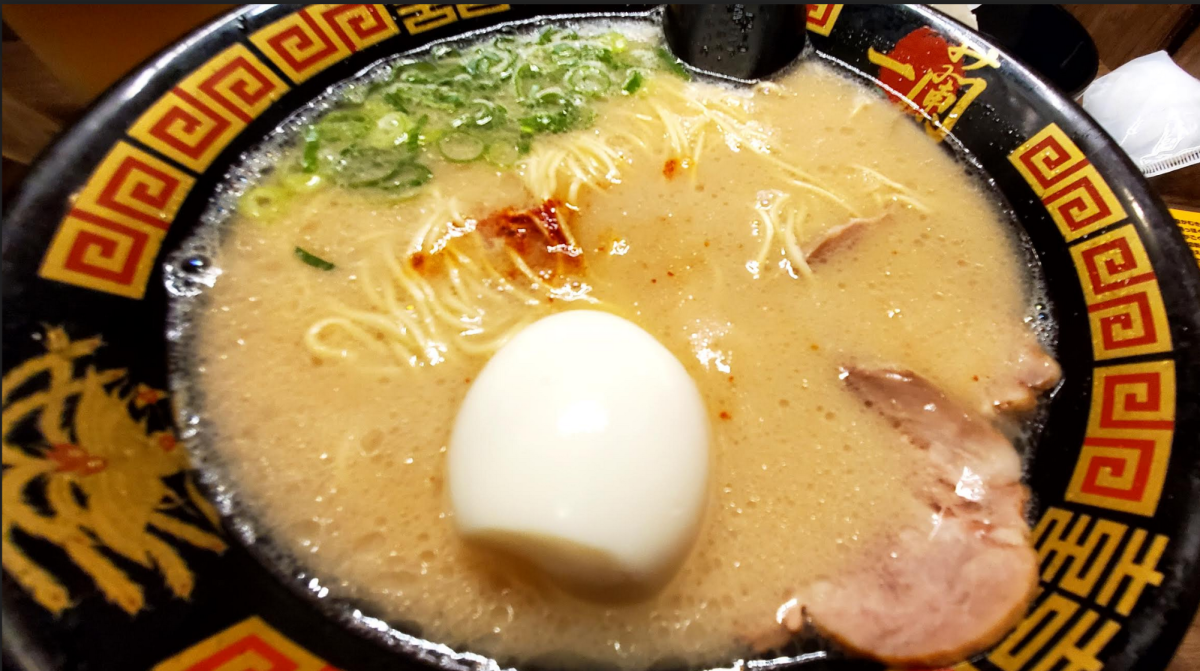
x: 583, y: 448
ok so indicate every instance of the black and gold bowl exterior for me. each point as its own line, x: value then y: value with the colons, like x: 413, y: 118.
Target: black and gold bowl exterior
x: 114, y: 558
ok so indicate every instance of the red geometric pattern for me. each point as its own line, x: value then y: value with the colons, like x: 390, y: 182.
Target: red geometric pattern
x: 109, y: 238
x: 141, y: 191
x: 1049, y: 162
x: 1072, y: 190
x: 1112, y: 265
x: 105, y: 249
x: 302, y: 44
x: 189, y: 126
x: 310, y: 40
x: 207, y: 109
x: 239, y: 87
x: 1079, y: 203
x: 251, y: 645
x: 1125, y: 305
x: 1134, y: 400
x: 820, y: 18
x: 1123, y: 462
x: 1130, y: 464
x: 1125, y: 323
x: 251, y: 652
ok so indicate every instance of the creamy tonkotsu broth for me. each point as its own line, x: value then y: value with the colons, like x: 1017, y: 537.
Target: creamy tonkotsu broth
x: 335, y: 445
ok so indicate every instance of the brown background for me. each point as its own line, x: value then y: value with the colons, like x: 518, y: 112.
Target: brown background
x: 37, y: 104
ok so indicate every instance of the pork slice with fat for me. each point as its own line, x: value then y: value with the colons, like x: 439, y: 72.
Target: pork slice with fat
x: 938, y: 589
x: 1033, y: 372
x: 838, y: 238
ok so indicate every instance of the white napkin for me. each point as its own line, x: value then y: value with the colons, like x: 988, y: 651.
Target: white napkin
x: 1151, y: 107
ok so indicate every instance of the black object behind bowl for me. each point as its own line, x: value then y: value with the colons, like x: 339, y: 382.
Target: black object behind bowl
x: 742, y: 41
x: 1047, y: 38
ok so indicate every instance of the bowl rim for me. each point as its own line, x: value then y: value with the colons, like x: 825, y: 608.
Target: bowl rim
x: 1154, y: 222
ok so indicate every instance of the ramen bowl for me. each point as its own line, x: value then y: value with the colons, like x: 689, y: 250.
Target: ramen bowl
x: 115, y: 556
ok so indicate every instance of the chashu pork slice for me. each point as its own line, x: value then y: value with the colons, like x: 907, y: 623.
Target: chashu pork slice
x: 1033, y: 372
x: 939, y: 589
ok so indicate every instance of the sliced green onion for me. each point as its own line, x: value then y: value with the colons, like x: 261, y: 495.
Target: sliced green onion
x: 551, y: 97
x: 564, y: 53
x: 443, y: 98
x: 398, y: 97
x: 555, y: 113
x: 589, y: 80
x: 633, y: 82
x: 391, y: 130
x: 672, y: 64
x: 503, y: 153
x: 375, y: 108
x: 484, y: 102
x: 606, y: 56
x: 343, y: 126
x: 417, y: 137
x: 492, y: 62
x: 313, y: 260
x: 263, y: 202
x: 482, y: 114
x: 615, y: 41
x: 419, y: 72
x: 368, y: 166
x: 443, y: 51
x: 301, y: 182
x: 312, y: 144
x: 407, y: 176
x: 460, y: 147
x: 526, y: 81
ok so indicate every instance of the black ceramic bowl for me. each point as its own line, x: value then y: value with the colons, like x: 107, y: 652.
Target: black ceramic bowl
x: 113, y: 559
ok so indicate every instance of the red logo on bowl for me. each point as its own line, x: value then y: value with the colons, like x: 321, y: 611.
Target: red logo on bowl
x: 931, y: 77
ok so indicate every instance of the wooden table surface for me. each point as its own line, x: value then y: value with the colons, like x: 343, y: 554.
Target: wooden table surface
x: 1187, y: 658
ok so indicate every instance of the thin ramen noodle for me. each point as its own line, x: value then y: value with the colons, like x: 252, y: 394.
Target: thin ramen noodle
x: 769, y: 237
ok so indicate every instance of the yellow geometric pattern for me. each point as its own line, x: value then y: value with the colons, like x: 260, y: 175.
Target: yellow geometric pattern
x: 1131, y: 425
x: 1082, y: 552
x: 132, y: 187
x: 251, y: 645
x: 1047, y: 158
x: 1077, y: 553
x: 109, y: 239
x: 311, y: 39
x: 821, y: 18
x: 1078, y: 643
x: 1073, y: 192
x: 421, y: 18
x: 193, y: 122
x: 1125, y: 306
x: 91, y: 251
x: 473, y: 11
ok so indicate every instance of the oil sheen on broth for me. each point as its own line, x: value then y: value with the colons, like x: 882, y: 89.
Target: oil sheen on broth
x: 341, y: 462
